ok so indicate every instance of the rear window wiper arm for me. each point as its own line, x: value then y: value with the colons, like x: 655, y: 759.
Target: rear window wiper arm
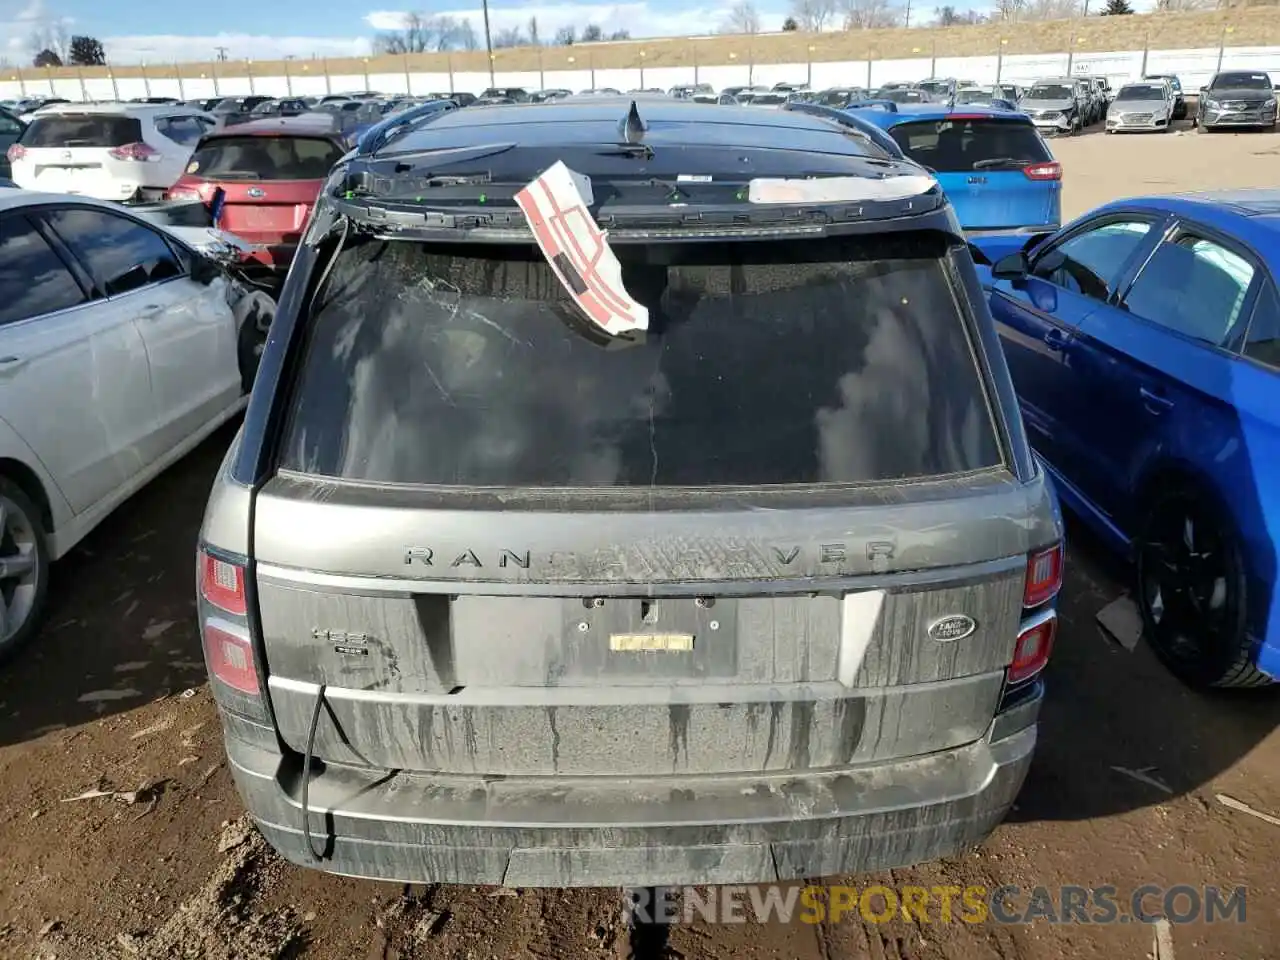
x: 1000, y: 162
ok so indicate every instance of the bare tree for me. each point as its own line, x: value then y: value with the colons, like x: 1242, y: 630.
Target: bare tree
x: 509, y: 37
x: 467, y: 39
x: 1010, y: 9
x: 419, y: 34
x: 1051, y: 9
x: 592, y: 33
x: 869, y: 14
x: 1178, y: 6
x: 566, y: 36
x: 742, y: 18
x: 949, y: 16
x: 533, y: 31
x: 813, y: 15
x: 51, y: 35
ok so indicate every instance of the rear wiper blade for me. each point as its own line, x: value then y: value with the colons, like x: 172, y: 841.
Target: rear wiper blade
x: 1000, y: 162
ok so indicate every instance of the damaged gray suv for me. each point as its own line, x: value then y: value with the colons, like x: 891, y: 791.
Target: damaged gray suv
x: 632, y: 493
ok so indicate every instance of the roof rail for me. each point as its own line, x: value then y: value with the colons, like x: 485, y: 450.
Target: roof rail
x: 849, y: 122
x: 381, y: 133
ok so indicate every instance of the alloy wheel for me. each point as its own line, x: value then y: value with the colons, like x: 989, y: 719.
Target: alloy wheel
x: 20, y: 568
x: 1188, y: 585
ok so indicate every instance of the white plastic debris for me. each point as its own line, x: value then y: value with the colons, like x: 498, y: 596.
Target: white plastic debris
x: 837, y: 189
x: 555, y: 204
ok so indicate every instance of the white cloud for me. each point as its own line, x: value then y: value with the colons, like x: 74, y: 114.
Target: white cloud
x: 169, y: 48
x: 639, y: 18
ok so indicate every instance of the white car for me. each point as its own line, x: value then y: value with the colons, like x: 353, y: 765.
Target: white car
x: 120, y: 350
x: 109, y: 151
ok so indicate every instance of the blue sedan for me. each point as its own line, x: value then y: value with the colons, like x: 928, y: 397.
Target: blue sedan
x: 994, y: 167
x: 1144, y: 343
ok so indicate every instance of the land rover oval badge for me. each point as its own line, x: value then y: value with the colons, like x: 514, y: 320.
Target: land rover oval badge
x: 957, y: 626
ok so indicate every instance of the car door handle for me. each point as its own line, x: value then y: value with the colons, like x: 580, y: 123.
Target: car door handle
x: 11, y: 364
x: 1154, y: 402
x: 1057, y: 339
x: 151, y: 311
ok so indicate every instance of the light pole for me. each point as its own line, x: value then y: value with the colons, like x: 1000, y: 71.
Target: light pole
x: 488, y: 39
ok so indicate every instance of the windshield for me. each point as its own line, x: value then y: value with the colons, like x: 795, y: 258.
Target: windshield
x: 974, y: 96
x: 1051, y: 91
x: 1241, y: 81
x: 768, y: 99
x: 1142, y: 91
x: 949, y: 146
x: 264, y: 158
x: 770, y: 362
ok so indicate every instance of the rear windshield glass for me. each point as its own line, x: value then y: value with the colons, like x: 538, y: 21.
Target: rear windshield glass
x: 843, y: 360
x: 264, y: 158
x: 948, y: 146
x: 84, y: 130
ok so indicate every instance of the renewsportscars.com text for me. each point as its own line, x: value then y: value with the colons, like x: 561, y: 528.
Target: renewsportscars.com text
x: 1009, y: 904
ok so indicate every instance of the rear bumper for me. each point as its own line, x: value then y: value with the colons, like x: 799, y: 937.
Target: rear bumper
x: 628, y: 831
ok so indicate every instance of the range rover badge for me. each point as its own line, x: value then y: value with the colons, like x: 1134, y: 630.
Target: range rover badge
x: 956, y: 626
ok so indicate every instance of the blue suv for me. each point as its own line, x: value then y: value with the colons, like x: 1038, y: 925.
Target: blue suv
x: 993, y: 165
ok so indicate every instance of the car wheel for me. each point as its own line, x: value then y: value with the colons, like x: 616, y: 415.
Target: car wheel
x: 1191, y: 588
x: 24, y: 569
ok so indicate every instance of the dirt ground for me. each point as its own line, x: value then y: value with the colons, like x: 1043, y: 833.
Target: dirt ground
x: 111, y: 700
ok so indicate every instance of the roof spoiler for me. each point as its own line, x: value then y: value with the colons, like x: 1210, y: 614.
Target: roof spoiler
x: 886, y: 105
x: 381, y: 133
x: 849, y: 122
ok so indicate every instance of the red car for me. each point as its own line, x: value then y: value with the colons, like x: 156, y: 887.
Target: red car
x: 270, y: 172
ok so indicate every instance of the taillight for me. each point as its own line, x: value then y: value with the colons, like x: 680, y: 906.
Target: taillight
x: 182, y: 193
x: 1035, y: 644
x: 222, y: 584
x: 134, y: 151
x: 1043, y: 171
x: 16, y: 152
x: 229, y: 654
x: 224, y: 626
x: 1044, y: 576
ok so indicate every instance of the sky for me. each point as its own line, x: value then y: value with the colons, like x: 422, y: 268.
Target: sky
x: 141, y: 31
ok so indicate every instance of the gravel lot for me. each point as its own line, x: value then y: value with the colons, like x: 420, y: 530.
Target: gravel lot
x: 112, y: 698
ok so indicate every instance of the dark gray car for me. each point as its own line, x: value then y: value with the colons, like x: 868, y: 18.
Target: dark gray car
x: 760, y: 588
x: 1237, y: 98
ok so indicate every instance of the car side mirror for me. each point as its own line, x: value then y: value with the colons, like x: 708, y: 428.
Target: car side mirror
x: 1204, y: 89
x: 1012, y: 268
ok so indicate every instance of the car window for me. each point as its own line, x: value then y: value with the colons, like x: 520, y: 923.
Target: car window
x: 974, y: 144
x: 264, y: 158
x: 1193, y: 286
x: 1091, y: 262
x: 184, y: 130
x: 33, y: 279
x: 84, y: 130
x: 121, y: 254
x: 1263, y: 342
x: 9, y: 126
x: 772, y: 362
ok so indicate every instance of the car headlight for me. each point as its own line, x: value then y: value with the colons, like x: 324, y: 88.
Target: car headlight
x: 1269, y: 104
x: 1212, y: 104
